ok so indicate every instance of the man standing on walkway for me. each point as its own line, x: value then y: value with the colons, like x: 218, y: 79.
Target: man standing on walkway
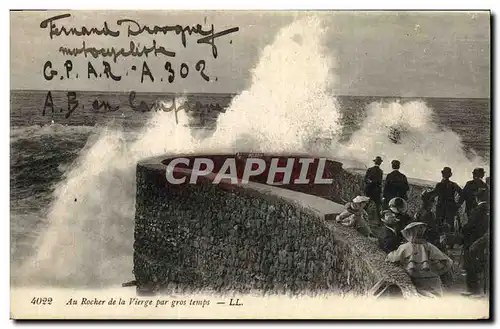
x: 396, y: 184
x: 446, y: 207
x: 373, y: 184
x: 475, y: 232
x: 470, y: 189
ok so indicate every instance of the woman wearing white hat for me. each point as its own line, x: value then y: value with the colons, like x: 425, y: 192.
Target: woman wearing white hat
x: 423, y: 261
x: 354, y: 215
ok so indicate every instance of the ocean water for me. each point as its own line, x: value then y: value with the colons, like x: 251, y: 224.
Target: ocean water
x: 73, y: 178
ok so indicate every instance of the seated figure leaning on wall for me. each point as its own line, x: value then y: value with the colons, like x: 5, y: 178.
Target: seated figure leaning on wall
x: 390, y: 237
x: 355, y: 216
x: 400, y: 209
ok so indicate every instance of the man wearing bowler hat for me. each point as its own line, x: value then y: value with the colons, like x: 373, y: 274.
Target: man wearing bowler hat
x: 446, y: 192
x: 396, y: 184
x: 470, y: 189
x: 373, y: 184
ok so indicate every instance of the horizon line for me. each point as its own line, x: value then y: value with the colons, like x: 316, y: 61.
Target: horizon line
x: 233, y: 93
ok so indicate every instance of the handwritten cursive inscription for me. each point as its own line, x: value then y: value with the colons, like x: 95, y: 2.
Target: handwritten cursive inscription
x: 134, y: 28
x: 133, y: 51
x: 198, y: 109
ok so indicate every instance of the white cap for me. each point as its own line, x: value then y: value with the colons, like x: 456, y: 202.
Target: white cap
x: 360, y: 199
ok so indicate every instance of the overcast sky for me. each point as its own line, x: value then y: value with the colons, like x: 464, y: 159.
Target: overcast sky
x: 395, y: 54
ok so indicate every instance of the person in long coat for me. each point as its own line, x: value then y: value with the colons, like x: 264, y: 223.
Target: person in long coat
x: 396, y: 184
x: 373, y: 184
x: 476, y: 228
x: 470, y: 189
x: 446, y: 207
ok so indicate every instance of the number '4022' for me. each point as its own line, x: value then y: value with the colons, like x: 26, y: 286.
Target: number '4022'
x: 41, y: 301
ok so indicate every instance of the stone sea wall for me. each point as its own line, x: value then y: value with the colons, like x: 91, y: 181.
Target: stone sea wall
x: 222, y: 237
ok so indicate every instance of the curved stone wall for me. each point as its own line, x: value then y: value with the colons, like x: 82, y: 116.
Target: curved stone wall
x: 245, y: 237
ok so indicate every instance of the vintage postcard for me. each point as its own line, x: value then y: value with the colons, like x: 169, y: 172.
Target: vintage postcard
x: 175, y: 164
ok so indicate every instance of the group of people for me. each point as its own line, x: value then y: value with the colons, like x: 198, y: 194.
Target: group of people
x: 420, y: 243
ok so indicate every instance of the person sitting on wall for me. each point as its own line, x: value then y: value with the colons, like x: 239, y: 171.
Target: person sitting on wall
x: 422, y: 260
x: 396, y: 184
x: 399, y: 207
x: 425, y: 215
x: 469, y: 192
x: 390, y: 238
x: 354, y: 215
x: 373, y: 184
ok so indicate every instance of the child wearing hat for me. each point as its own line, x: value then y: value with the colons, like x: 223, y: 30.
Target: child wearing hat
x: 422, y: 260
x: 354, y: 215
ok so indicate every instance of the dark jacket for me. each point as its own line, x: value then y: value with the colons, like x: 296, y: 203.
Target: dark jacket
x: 404, y: 219
x: 468, y: 194
x: 478, y: 224
x: 426, y: 216
x: 390, y: 239
x: 446, y: 191
x: 446, y: 206
x: 373, y: 182
x: 396, y: 185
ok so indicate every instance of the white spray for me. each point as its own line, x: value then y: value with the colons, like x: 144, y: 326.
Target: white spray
x: 88, y: 241
x: 417, y: 142
x: 289, y: 103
